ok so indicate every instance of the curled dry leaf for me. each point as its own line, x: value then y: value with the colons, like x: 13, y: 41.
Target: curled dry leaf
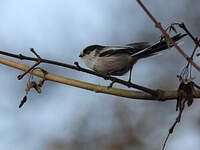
x: 185, y: 93
x: 37, y: 88
x: 181, y: 95
x: 33, y: 84
x: 189, y: 90
x: 41, y: 82
x: 28, y: 86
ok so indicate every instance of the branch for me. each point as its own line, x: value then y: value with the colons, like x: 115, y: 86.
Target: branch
x: 166, y: 95
x: 78, y: 68
x: 158, y: 25
x: 31, y: 68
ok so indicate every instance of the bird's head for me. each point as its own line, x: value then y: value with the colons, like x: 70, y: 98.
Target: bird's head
x: 93, y: 49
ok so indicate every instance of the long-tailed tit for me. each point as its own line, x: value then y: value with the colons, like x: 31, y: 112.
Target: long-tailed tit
x: 118, y: 60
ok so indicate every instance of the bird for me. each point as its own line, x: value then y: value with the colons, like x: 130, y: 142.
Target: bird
x: 118, y: 60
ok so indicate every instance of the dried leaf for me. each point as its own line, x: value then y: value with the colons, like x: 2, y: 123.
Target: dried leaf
x: 181, y: 95
x: 189, y: 90
x: 28, y: 86
x: 41, y: 82
x: 36, y: 87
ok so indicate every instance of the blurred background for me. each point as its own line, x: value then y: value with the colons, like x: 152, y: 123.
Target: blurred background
x: 64, y: 117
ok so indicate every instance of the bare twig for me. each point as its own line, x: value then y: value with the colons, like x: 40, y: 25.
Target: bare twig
x: 19, y: 77
x: 165, y: 141
x: 186, y: 91
x: 193, y: 52
x: 158, y: 25
x: 34, y: 52
x: 31, y: 68
x: 196, y: 41
x: 197, y: 86
x: 178, y: 119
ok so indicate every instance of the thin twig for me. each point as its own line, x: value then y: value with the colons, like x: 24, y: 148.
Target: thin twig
x: 178, y: 119
x: 196, y: 41
x: 166, y: 141
x: 19, y: 77
x: 34, y: 52
x: 158, y: 25
x: 197, y: 86
x: 193, y: 52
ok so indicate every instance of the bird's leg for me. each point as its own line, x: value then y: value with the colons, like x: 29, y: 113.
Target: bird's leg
x: 129, y: 80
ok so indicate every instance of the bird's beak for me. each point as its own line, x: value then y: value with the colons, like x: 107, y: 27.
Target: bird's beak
x: 80, y: 55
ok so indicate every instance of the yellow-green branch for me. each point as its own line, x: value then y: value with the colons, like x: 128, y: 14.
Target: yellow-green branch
x: 166, y: 95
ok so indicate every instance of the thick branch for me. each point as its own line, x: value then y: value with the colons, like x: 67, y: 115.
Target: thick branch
x: 166, y: 95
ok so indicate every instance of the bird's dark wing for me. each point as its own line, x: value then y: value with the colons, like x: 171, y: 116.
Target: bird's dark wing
x: 129, y: 49
x: 111, y: 52
x: 139, y: 46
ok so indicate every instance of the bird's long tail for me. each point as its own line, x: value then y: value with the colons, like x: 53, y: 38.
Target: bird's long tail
x: 160, y: 46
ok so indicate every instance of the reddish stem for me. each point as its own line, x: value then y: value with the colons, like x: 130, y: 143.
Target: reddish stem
x: 158, y: 25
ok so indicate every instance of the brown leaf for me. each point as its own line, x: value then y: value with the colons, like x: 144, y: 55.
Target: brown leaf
x: 36, y: 87
x: 41, y: 82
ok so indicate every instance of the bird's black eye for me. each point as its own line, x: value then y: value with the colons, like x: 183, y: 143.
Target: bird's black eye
x: 91, y: 48
x: 86, y: 51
